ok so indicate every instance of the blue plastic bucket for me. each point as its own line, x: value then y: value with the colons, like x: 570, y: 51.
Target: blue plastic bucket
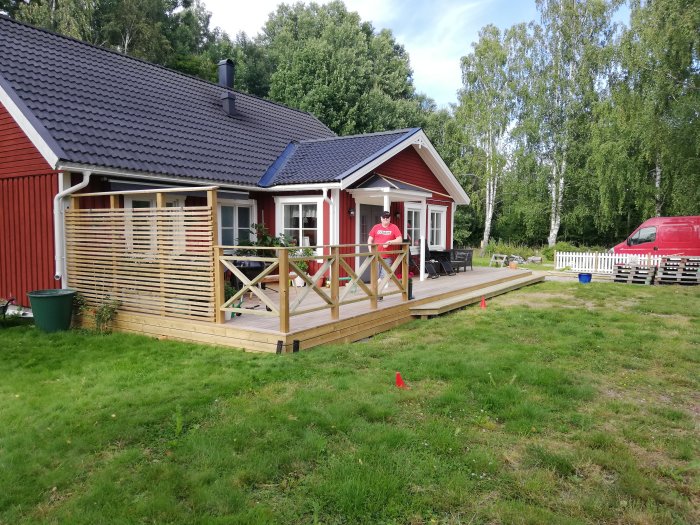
x: 585, y: 278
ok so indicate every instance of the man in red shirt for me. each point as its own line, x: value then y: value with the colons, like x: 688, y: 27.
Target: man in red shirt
x: 385, y: 235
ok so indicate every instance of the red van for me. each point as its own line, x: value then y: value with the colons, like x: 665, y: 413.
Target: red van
x: 664, y: 236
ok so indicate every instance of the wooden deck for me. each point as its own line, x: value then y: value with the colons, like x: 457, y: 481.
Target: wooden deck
x: 357, y: 321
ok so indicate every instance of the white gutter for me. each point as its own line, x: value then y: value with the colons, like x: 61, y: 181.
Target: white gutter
x: 152, y: 178
x: 58, y: 229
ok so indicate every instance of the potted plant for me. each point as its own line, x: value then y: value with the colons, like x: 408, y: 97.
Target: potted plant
x: 306, y: 251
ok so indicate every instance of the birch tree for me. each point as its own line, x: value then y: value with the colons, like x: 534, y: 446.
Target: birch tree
x: 566, y: 61
x: 484, y: 111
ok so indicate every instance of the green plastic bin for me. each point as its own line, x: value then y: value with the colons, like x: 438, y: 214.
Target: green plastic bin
x: 52, y: 309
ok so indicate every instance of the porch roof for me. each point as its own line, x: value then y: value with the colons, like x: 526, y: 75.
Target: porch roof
x: 331, y: 159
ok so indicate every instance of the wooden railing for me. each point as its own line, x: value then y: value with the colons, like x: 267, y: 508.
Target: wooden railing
x: 279, y: 263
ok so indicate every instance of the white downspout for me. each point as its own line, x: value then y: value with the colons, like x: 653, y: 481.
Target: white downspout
x: 58, y: 230
x: 423, y: 236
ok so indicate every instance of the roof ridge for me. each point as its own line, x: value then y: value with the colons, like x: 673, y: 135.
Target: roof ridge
x: 362, y: 135
x: 153, y: 64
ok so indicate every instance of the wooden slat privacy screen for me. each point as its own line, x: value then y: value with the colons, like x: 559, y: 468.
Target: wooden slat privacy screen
x: 156, y: 261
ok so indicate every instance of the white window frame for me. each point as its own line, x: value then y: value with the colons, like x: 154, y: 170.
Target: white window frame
x: 280, y: 202
x: 442, y: 213
x: 417, y: 208
x: 238, y: 203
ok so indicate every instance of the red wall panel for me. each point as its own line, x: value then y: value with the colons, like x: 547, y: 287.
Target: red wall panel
x: 27, y: 187
x: 18, y: 156
x: 26, y: 243
x: 347, y: 223
x: 407, y: 166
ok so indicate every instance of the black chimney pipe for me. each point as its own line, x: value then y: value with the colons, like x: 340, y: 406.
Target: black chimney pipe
x: 227, y: 72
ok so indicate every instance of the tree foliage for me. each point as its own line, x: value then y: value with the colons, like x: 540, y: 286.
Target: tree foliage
x: 605, y: 128
x: 568, y: 127
x: 329, y: 62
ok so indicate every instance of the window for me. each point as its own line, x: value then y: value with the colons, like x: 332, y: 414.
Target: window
x: 413, y: 225
x: 299, y: 218
x: 301, y: 224
x: 642, y: 235
x: 437, y: 227
x: 235, y: 222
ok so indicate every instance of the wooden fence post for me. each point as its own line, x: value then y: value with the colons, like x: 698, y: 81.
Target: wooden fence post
x: 335, y: 282
x: 283, y: 256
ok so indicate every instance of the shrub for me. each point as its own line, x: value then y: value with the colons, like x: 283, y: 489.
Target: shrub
x: 509, y: 249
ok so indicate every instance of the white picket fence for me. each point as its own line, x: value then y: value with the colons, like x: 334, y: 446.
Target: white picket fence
x: 590, y: 262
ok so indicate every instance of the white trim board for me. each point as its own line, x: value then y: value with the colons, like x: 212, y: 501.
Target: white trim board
x: 29, y: 124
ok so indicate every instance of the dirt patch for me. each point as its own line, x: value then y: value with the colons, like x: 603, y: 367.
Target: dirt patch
x: 543, y: 300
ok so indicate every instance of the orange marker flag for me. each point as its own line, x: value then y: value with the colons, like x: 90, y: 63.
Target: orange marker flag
x: 399, y: 381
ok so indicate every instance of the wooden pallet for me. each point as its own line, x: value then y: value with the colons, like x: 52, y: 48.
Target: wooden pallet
x: 679, y: 270
x: 677, y: 279
x: 634, y: 274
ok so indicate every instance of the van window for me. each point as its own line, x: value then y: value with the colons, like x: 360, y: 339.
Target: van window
x: 643, y: 235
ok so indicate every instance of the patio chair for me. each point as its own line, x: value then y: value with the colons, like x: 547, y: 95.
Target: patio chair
x: 461, y: 258
x: 431, y: 267
x: 443, y: 261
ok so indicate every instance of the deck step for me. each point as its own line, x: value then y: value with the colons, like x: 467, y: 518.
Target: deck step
x: 474, y: 296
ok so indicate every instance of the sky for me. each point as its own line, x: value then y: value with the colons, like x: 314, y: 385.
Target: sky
x: 435, y: 33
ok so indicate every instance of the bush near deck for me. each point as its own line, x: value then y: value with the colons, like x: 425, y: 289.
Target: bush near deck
x: 559, y: 403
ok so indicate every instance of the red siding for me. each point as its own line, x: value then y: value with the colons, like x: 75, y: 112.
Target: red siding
x: 18, y: 154
x: 407, y: 166
x: 347, y: 223
x: 266, y: 211
x: 27, y: 187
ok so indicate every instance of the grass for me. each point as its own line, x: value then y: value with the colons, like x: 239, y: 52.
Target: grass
x: 559, y: 403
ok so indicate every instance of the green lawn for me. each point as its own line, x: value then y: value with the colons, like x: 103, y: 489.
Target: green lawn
x: 560, y: 403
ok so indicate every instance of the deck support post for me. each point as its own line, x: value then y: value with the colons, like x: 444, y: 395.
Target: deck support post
x: 374, y: 275
x: 160, y: 250
x: 217, y: 253
x: 218, y: 285
x: 283, y: 256
x: 335, y: 282
x: 113, y: 205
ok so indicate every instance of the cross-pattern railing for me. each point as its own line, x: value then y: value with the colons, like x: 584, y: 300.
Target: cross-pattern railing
x: 278, y: 264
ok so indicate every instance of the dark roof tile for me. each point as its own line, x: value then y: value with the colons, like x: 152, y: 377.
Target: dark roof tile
x: 107, y: 109
x: 330, y: 160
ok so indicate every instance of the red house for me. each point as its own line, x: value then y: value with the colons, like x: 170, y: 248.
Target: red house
x: 77, y: 119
